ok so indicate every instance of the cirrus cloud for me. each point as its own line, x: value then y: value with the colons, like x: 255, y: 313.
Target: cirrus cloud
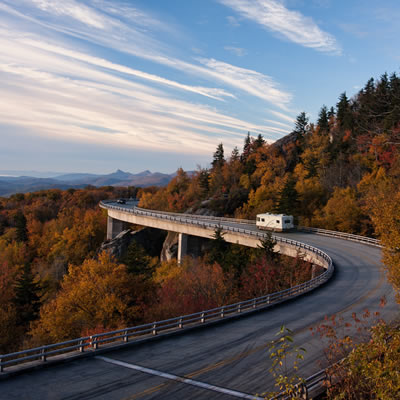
x: 274, y: 16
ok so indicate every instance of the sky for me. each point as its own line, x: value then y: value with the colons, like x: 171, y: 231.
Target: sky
x: 97, y: 85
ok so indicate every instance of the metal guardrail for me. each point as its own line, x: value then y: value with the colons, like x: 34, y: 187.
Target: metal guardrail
x: 125, y: 335
x: 107, y: 203
x: 93, y: 342
x: 342, y: 235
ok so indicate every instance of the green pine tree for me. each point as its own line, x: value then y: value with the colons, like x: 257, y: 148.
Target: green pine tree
x: 219, y: 249
x: 288, y: 199
x: 266, y: 247
x: 27, y: 299
x: 20, y: 224
x: 137, y: 261
x: 323, y: 119
x: 218, y: 157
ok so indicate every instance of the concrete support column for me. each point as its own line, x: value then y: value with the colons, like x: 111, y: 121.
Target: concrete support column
x: 313, y: 271
x: 114, y: 227
x: 182, y: 246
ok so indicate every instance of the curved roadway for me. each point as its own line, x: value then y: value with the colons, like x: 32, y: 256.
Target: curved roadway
x: 231, y: 355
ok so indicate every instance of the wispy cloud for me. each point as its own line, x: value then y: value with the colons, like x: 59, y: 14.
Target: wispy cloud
x: 89, y: 103
x: 294, y: 26
x: 62, y: 87
x: 237, y: 51
x: 72, y: 9
x: 214, y: 93
x: 252, y: 82
x: 282, y: 116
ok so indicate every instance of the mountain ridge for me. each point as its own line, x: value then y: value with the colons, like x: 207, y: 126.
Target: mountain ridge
x: 10, y: 185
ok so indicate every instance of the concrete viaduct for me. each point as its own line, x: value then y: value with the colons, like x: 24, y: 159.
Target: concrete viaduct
x: 243, y: 232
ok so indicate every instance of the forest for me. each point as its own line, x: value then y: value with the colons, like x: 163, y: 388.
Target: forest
x: 341, y: 172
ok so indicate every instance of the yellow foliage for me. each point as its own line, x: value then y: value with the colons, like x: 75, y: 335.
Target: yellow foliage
x: 97, y: 293
x: 166, y: 271
x: 341, y: 213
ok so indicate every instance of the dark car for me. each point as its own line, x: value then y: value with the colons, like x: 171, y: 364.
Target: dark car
x: 121, y: 201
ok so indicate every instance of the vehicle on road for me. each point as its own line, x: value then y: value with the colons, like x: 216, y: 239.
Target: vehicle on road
x: 275, y: 222
x: 121, y: 201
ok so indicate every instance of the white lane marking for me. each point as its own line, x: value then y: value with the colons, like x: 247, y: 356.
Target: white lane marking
x: 180, y: 379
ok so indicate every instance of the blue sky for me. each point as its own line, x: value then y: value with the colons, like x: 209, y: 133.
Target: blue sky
x: 96, y: 85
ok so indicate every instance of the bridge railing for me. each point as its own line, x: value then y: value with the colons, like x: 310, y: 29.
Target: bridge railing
x: 190, y: 218
x: 136, y: 333
x: 107, y: 204
x: 342, y: 235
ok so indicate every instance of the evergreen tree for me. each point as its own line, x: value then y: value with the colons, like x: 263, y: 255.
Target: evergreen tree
x: 20, y: 224
x: 394, y: 100
x: 301, y: 125
x: 323, y: 119
x: 288, y: 199
x: 137, y: 261
x: 235, y: 154
x: 266, y: 247
x: 259, y: 142
x: 344, y: 113
x: 246, y: 148
x: 204, y: 181
x: 26, y: 300
x: 218, y: 157
x: 219, y: 249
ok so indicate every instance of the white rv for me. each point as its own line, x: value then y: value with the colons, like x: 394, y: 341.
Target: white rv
x: 275, y: 222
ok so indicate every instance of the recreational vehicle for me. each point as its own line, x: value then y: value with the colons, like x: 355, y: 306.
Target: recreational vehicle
x: 275, y: 222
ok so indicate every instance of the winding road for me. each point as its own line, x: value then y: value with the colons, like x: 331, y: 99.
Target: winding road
x: 224, y: 361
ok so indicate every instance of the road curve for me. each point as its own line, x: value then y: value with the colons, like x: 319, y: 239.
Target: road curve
x: 229, y: 356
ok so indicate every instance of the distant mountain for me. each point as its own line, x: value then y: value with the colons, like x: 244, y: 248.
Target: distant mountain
x: 33, y: 174
x: 75, y: 177
x: 23, y: 184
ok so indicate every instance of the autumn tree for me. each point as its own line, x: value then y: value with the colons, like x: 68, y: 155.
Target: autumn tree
x: 10, y: 331
x: 341, y: 213
x: 195, y: 287
x: 97, y: 294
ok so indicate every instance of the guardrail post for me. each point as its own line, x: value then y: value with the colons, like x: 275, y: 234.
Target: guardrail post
x: 154, y: 329
x: 302, y: 391
x: 180, y: 325
x: 126, y: 338
x: 43, y: 354
x: 254, y: 303
x: 81, y: 346
x: 239, y: 308
x: 268, y: 300
x: 222, y: 313
x: 202, y: 319
x: 93, y: 342
x: 1, y: 364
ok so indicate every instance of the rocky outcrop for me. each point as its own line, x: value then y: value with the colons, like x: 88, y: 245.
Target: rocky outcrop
x: 170, y: 247
x: 119, y: 244
x: 149, y: 238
